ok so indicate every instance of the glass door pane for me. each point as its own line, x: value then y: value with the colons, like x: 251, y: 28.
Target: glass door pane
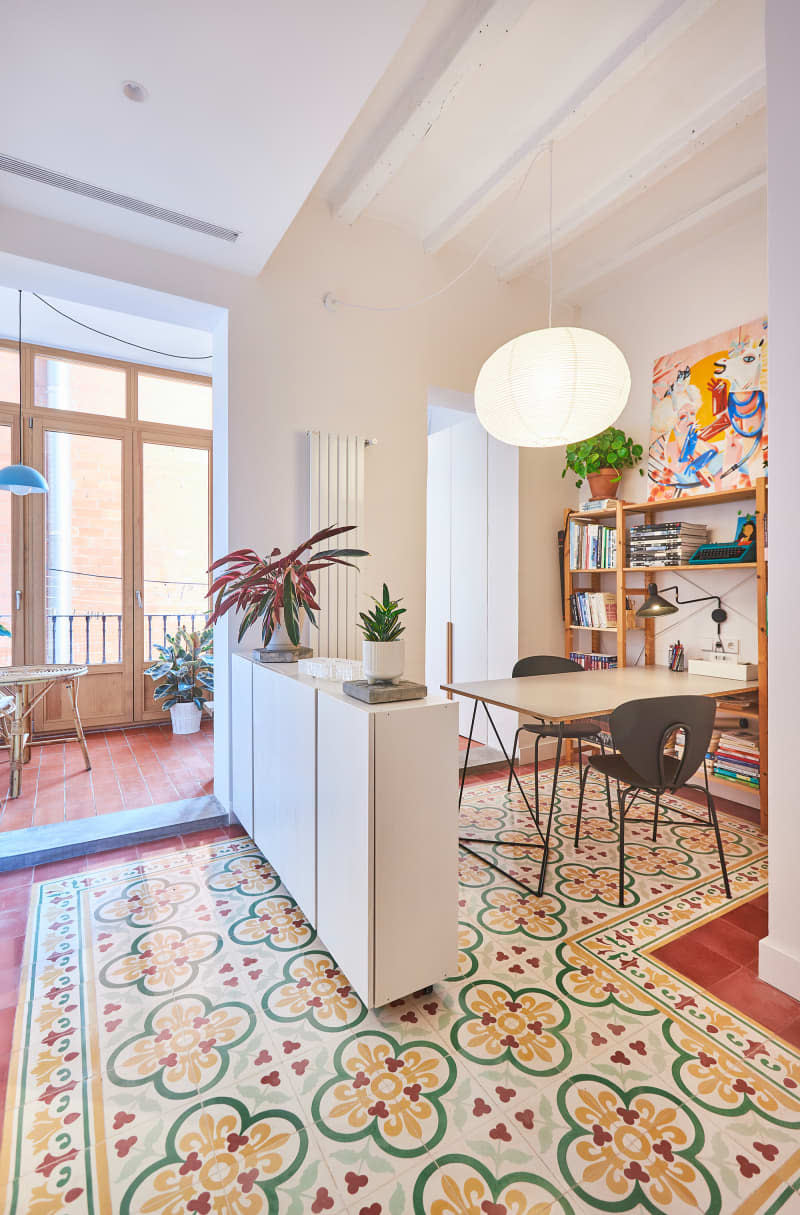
x: 85, y: 601
x: 175, y: 546
x: 6, y: 552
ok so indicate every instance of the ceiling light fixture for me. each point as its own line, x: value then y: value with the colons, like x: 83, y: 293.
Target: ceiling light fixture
x: 552, y: 386
x: 21, y: 479
x: 134, y: 91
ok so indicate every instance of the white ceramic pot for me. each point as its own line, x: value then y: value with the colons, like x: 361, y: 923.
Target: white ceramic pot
x: 383, y: 660
x: 185, y: 718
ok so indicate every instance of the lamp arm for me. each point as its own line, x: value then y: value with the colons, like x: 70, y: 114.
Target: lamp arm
x: 718, y: 615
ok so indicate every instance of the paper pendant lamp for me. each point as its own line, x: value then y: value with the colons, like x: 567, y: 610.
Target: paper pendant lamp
x: 552, y: 387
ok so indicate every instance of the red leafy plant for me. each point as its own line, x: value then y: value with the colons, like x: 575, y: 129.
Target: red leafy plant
x: 264, y: 587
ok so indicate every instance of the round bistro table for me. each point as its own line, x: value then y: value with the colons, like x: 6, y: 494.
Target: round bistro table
x: 28, y: 685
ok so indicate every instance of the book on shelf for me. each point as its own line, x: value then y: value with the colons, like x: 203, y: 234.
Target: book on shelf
x: 599, y: 504
x: 592, y: 546
x: 664, y: 544
x: 593, y: 609
x: 594, y: 662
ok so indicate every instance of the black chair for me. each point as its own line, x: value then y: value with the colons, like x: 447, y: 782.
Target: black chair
x: 642, y: 731
x: 576, y: 731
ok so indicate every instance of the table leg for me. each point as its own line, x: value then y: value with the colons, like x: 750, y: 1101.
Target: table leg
x: 466, y: 757
x: 16, y: 747
x: 26, y: 746
x: 72, y: 692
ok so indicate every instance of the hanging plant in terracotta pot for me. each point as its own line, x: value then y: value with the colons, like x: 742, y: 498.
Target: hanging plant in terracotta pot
x: 275, y: 590
x: 601, y: 459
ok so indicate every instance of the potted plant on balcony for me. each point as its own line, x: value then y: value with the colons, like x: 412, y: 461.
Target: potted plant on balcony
x: 601, y: 459
x: 184, y: 677
x: 275, y: 589
x: 383, y: 647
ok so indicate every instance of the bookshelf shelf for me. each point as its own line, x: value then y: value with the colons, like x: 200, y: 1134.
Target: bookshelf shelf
x: 604, y: 569
x: 697, y: 565
x: 620, y: 517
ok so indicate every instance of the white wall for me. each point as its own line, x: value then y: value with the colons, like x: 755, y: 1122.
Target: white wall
x: 294, y: 366
x: 692, y: 291
x: 780, y: 951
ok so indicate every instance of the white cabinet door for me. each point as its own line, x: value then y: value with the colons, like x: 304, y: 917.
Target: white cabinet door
x: 416, y: 849
x: 469, y: 565
x: 242, y: 741
x: 345, y: 911
x: 284, y: 801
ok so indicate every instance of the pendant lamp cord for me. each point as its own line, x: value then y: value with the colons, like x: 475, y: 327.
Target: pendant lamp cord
x: 19, y: 361
x: 550, y: 235
x: 332, y: 302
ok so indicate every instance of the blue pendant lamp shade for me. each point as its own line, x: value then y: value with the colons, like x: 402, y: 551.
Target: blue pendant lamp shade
x: 21, y: 479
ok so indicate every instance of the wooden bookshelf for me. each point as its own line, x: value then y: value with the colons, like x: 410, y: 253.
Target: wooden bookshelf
x: 624, y: 585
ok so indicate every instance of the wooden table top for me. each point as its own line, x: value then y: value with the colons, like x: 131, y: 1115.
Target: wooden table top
x: 576, y: 694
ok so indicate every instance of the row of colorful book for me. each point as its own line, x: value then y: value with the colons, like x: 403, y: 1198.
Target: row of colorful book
x: 593, y: 609
x: 595, y: 662
x: 592, y: 546
x: 735, y: 756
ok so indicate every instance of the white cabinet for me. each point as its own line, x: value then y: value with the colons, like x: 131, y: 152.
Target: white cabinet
x: 284, y: 780
x: 242, y: 740
x: 356, y: 808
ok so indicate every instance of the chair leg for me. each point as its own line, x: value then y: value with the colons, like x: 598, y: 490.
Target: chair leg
x: 621, y: 796
x: 513, y: 753
x: 655, y: 817
x: 712, y: 814
x: 608, y: 784
x: 536, y: 777
x: 584, y: 776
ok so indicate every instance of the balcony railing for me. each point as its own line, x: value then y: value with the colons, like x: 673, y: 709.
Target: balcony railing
x: 95, y: 638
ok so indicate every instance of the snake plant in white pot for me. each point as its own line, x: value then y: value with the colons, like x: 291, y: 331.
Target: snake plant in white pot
x: 384, y: 651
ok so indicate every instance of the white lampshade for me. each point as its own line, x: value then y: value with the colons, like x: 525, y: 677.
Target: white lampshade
x: 552, y: 387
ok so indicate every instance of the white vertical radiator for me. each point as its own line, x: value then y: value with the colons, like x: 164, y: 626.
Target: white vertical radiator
x: 336, y: 497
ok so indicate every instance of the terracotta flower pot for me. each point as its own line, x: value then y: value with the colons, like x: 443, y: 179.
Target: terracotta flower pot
x: 604, y: 483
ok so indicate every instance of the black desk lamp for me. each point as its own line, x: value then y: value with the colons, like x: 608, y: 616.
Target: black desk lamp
x: 656, y: 605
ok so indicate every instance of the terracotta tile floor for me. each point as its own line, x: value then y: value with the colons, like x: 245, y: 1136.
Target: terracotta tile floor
x: 130, y: 768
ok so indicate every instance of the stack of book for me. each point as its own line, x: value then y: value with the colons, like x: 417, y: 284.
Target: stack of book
x: 737, y: 757
x: 599, y: 504
x: 595, y: 662
x: 593, y: 609
x: 664, y: 543
x: 592, y: 546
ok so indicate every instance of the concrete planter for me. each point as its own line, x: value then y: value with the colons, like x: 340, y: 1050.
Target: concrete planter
x: 383, y: 660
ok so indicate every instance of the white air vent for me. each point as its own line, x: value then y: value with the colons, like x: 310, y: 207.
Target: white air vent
x: 22, y: 169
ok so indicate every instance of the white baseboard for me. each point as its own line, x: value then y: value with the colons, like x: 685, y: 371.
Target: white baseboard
x: 779, y: 967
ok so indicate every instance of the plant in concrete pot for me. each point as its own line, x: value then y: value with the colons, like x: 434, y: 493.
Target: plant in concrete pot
x: 274, y: 589
x: 383, y: 647
x: 184, y: 677
x: 601, y: 459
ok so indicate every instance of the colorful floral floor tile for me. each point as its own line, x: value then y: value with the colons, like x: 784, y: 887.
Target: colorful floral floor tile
x: 185, y: 1043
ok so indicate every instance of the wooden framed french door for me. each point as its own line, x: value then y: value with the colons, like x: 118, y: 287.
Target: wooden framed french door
x: 81, y: 570
x: 114, y: 558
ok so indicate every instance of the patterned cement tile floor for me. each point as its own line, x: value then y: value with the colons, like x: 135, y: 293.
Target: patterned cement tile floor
x: 184, y: 1043
x: 142, y: 766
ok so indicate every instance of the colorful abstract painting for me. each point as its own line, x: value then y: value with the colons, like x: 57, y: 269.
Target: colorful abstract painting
x: 708, y: 429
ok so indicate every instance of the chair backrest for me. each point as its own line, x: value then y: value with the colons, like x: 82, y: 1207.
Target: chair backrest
x: 544, y: 664
x: 641, y: 730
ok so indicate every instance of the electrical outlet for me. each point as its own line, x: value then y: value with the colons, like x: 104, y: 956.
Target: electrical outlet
x: 731, y: 645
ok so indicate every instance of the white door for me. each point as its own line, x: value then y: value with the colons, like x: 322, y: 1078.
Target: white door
x: 469, y: 564
x: 438, y: 606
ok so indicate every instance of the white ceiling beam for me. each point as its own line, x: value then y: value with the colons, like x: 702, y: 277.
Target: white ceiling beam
x: 470, y: 36
x: 570, y: 288
x: 669, y: 21
x: 725, y: 113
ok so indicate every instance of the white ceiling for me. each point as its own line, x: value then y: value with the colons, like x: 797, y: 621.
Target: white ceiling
x: 248, y: 101
x: 656, y: 110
